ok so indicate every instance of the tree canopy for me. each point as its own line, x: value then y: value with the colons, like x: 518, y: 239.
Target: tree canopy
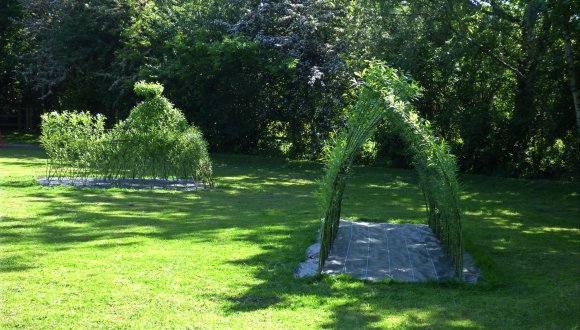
x: 270, y: 77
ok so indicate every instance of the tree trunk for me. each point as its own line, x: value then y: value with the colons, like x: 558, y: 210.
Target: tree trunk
x: 524, y: 103
x: 523, y: 109
x: 572, y: 79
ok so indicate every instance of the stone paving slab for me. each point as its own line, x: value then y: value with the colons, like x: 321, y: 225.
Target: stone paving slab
x: 177, y: 184
x: 379, y: 251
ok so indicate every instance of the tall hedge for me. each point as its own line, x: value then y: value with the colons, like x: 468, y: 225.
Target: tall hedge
x: 382, y: 92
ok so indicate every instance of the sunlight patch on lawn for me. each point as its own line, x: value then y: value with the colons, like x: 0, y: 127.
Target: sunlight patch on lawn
x: 541, y: 230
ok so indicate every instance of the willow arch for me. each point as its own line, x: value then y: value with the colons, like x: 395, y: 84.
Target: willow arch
x: 381, y: 92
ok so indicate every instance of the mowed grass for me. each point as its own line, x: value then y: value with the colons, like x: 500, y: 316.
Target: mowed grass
x: 88, y: 258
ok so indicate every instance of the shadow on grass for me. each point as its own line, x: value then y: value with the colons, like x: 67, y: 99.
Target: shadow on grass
x: 269, y: 203
x: 509, y: 235
x: 14, y: 264
x: 69, y: 216
x: 22, y: 154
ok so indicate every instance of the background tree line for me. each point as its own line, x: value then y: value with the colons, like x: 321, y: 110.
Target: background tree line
x: 269, y: 77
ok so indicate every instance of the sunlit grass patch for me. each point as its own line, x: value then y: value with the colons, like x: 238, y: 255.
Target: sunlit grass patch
x: 224, y: 258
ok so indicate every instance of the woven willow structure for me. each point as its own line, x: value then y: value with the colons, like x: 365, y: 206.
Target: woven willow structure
x: 382, y: 93
x: 154, y: 142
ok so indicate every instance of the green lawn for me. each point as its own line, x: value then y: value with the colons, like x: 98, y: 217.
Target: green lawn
x: 19, y: 138
x: 87, y: 258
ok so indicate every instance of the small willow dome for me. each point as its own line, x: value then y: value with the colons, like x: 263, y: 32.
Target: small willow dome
x: 154, y: 142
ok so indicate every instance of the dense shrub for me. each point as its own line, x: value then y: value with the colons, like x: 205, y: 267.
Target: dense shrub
x: 71, y: 141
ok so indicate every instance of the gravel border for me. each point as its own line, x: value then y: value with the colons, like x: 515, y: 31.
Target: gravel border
x: 19, y: 146
x: 138, y: 184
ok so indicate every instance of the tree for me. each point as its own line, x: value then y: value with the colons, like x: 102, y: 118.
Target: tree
x: 307, y: 31
x: 10, y: 13
x: 70, y: 61
x: 500, y: 77
x: 493, y: 78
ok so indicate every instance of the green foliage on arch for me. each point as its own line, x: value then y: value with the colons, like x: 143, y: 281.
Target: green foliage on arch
x: 382, y: 92
x: 155, y: 141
